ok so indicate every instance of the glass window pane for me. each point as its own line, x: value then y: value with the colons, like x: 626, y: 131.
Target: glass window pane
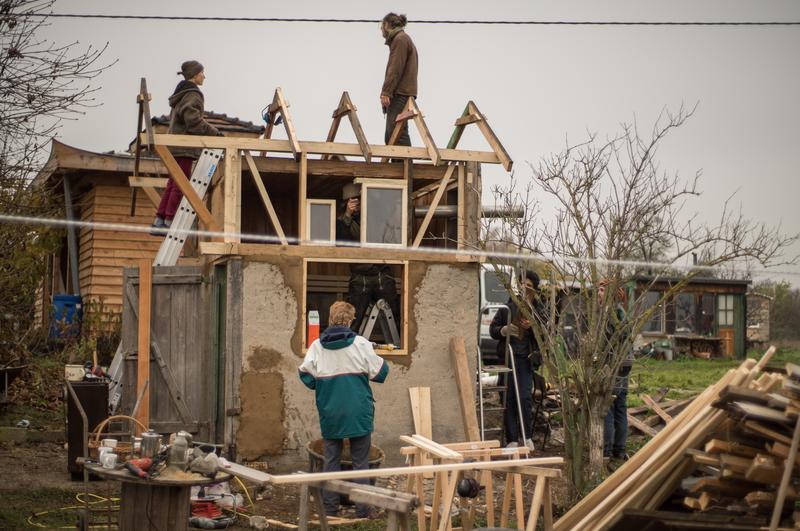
x: 654, y: 324
x: 320, y: 224
x: 495, y: 290
x: 685, y: 309
x: 384, y: 215
x: 706, y: 315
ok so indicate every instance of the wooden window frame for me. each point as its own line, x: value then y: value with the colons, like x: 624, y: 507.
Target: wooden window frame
x: 662, y: 316
x: 403, y: 321
x: 307, y: 236
x: 727, y: 310
x: 384, y: 183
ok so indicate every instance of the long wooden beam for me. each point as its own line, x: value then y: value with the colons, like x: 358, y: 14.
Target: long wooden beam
x: 322, y: 148
x: 374, y: 254
x: 349, y: 169
x: 183, y: 184
x: 532, y: 466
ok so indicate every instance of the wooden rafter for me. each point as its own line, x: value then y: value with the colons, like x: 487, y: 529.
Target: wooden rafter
x: 265, y: 197
x: 432, y: 208
x: 411, y: 111
x: 143, y: 99
x: 183, y: 184
x: 279, y: 105
x: 346, y: 108
x: 472, y: 115
x: 148, y: 186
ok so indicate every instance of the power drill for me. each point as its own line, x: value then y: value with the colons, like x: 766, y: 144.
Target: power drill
x: 139, y: 467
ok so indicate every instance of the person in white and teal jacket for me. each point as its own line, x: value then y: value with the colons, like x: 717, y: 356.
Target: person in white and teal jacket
x: 339, y: 367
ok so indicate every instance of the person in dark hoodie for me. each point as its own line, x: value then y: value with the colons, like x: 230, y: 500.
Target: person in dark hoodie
x: 186, y: 118
x: 339, y: 367
x: 400, y: 80
x: 518, y: 333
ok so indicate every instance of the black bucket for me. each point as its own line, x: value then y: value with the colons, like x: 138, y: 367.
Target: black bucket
x: 316, y: 459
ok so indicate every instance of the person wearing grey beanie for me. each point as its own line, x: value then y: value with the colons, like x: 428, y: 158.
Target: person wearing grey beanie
x: 186, y: 118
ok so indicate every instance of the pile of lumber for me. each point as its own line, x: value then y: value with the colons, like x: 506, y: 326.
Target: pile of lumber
x: 656, y: 412
x: 723, y: 457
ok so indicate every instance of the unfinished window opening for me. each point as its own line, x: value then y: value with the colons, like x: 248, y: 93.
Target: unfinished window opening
x: 384, y: 217
x: 656, y: 322
x: 706, y: 315
x: 321, y: 221
x: 377, y: 291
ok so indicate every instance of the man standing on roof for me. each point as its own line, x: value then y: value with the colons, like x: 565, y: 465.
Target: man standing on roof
x: 339, y: 367
x: 186, y: 118
x: 400, y: 81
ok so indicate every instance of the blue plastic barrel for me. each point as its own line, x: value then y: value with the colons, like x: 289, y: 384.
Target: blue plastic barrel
x: 67, y: 313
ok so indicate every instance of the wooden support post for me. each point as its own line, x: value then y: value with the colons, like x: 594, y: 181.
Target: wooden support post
x: 466, y: 398
x: 301, y: 196
x: 437, y: 498
x: 520, y: 501
x: 323, y: 518
x: 408, y: 176
x: 143, y: 342
x: 265, y: 197
x: 536, y: 503
x: 233, y: 195
x: 449, y: 495
x: 460, y: 198
x: 436, y: 199
x: 185, y: 187
x: 420, y: 398
x: 505, y: 510
x: 304, y: 511
x: 488, y: 483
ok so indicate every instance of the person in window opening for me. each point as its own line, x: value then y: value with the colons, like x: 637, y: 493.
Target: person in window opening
x: 615, y: 433
x: 339, y: 367
x: 517, y: 332
x: 368, y: 282
x: 400, y: 80
x: 186, y: 118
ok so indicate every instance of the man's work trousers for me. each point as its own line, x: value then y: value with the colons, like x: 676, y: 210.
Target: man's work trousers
x: 173, y: 195
x: 366, y: 289
x: 615, y: 433
x: 396, y: 105
x: 524, y: 373
x: 359, y: 451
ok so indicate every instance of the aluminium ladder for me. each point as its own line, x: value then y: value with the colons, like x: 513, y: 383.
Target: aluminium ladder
x: 169, y: 252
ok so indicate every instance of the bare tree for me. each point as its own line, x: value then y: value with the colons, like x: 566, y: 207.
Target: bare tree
x: 42, y: 83
x: 618, y: 215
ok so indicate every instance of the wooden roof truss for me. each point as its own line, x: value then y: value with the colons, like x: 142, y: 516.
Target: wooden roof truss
x: 346, y: 108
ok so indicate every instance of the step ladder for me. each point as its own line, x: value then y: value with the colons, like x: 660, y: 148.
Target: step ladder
x: 168, y: 253
x: 506, y: 369
x: 381, y: 312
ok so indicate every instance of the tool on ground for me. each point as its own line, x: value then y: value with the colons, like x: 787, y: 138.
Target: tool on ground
x: 137, y: 471
x: 381, y: 312
x: 469, y: 487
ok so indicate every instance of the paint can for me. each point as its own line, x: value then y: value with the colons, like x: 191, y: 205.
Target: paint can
x: 313, y: 327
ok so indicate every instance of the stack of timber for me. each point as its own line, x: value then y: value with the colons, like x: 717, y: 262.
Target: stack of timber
x: 656, y: 412
x: 728, y: 461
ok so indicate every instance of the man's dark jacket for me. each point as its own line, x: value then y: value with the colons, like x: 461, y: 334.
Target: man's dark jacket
x: 531, y: 346
x: 187, y: 118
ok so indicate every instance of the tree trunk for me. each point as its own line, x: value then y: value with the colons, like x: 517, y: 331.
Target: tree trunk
x: 595, y: 425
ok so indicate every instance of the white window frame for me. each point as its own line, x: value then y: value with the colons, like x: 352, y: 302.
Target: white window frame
x: 725, y: 309
x: 366, y: 184
x: 332, y: 237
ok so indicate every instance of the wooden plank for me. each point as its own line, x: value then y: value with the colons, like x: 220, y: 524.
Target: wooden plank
x: 766, y: 432
x: 152, y: 196
x: 431, y: 447
x: 232, y: 184
x: 448, y: 495
x: 352, y: 115
x: 641, y: 426
x: 375, y: 254
x: 406, y: 470
x: 491, y: 138
x: 420, y: 398
x: 432, y: 208
x: 302, y: 180
x: 427, y: 138
x: 183, y: 184
x: 323, y: 148
x: 468, y: 119
x: 536, y: 505
x: 455, y: 138
x: 147, y: 182
x: 656, y: 408
x: 265, y: 197
x: 464, y: 386
x: 294, y: 144
x: 143, y: 343
x: 718, y: 446
x: 519, y: 508
x: 788, y: 468
x: 460, y: 201
x: 505, y: 509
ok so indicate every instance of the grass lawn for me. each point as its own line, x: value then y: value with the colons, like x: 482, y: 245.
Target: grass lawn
x: 686, y: 377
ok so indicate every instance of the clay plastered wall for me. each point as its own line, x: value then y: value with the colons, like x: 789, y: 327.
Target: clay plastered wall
x: 277, y: 407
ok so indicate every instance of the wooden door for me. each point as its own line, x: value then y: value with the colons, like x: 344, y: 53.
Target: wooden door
x: 182, y: 356
x: 725, y: 322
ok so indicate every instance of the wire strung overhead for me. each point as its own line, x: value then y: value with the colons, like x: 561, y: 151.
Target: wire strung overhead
x: 376, y: 21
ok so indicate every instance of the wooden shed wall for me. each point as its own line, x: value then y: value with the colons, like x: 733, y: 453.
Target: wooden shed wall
x: 103, y: 253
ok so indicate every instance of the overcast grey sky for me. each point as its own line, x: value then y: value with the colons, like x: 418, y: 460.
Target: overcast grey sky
x: 537, y: 85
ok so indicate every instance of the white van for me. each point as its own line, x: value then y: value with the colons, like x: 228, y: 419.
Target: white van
x: 493, y: 291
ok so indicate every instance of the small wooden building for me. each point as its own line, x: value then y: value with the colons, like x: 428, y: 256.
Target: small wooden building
x: 707, y: 315
x: 98, y: 186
